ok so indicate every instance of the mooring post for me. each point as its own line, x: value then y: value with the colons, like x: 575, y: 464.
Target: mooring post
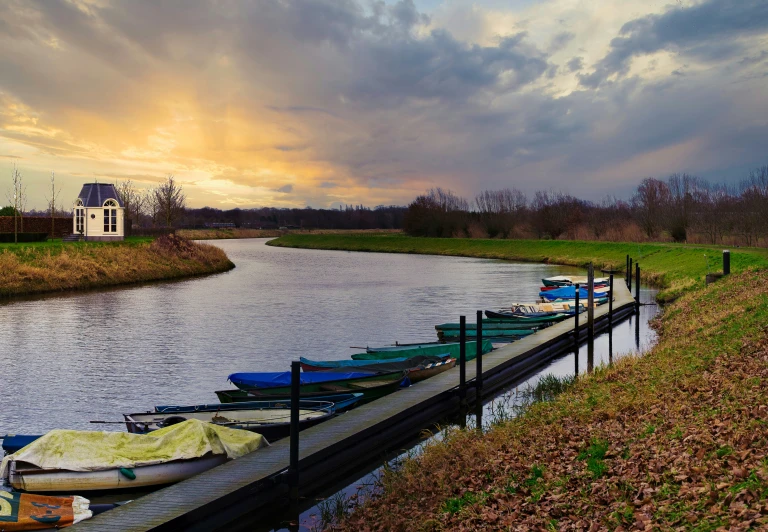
x: 726, y: 262
x: 626, y: 272
x: 591, y: 302
x: 576, y: 321
x: 637, y: 284
x: 629, y: 286
x: 293, y: 468
x: 479, y: 356
x: 463, y: 358
x: 610, y: 301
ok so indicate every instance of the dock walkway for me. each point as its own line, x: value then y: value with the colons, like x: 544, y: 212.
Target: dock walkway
x: 334, y: 449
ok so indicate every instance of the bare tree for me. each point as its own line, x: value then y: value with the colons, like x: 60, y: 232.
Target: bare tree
x: 132, y: 199
x: 52, y: 204
x: 500, y: 210
x: 15, y: 199
x: 650, y: 202
x: 170, y: 199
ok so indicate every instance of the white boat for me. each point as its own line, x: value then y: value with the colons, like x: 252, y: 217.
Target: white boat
x: 568, y: 280
x: 76, y: 461
x: 28, y: 477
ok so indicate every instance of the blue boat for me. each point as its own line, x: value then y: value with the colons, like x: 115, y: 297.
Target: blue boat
x: 341, y: 403
x: 276, y: 380
x: 14, y: 442
x: 569, y: 292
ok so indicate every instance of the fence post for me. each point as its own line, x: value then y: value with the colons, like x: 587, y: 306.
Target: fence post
x: 726, y: 262
x: 463, y: 357
x: 479, y: 357
x: 630, y: 276
x: 293, y: 469
x: 626, y: 273
x: 637, y: 284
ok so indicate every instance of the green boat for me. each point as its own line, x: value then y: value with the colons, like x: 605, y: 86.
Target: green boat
x: 372, y: 388
x: 489, y: 325
x: 452, y: 334
x: 426, y: 349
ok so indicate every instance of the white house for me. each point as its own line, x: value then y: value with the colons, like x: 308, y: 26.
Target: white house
x: 99, y: 213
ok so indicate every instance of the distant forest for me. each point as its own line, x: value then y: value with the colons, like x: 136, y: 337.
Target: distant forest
x: 349, y: 217
x: 682, y: 208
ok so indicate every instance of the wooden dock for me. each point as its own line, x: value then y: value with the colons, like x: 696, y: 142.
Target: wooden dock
x: 337, y: 448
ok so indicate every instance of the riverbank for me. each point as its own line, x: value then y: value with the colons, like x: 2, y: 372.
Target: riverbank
x: 59, y: 266
x: 226, y: 234
x: 674, y: 268
x: 673, y: 439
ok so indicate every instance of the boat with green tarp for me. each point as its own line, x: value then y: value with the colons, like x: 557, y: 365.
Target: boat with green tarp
x: 427, y: 349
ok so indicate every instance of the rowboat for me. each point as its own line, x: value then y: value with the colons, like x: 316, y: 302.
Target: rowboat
x: 418, y: 368
x: 533, y: 319
x: 371, y: 386
x: 568, y: 280
x: 427, y: 349
x: 14, y: 442
x: 569, y: 292
x: 541, y: 309
x: 452, y: 334
x: 271, y: 419
x: 491, y: 324
x: 265, y: 380
x: 76, y: 461
x: 29, y: 511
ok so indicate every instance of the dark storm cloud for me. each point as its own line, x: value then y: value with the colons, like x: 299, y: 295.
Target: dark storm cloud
x: 709, y: 31
x: 575, y: 64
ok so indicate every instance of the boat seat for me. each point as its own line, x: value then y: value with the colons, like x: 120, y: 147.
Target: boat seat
x: 333, y: 388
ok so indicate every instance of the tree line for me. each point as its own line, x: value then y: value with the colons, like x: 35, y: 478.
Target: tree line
x: 682, y: 208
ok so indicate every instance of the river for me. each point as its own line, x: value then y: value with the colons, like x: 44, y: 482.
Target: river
x: 68, y: 359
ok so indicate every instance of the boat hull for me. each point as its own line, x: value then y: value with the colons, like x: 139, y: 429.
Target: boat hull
x: 427, y: 349
x: 57, y: 480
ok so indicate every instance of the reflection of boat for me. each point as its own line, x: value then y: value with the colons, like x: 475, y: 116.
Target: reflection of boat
x: 71, y: 460
x: 427, y: 349
x: 371, y: 386
x: 271, y: 419
x: 418, y: 368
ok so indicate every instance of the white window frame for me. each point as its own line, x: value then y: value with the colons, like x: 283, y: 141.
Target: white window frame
x: 110, y: 216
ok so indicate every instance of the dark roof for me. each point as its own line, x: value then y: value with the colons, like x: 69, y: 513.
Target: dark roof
x: 95, y: 194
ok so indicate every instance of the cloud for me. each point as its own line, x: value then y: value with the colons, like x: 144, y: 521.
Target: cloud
x: 709, y: 31
x: 352, y: 101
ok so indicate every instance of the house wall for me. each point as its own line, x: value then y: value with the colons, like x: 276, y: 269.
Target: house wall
x: 94, y: 227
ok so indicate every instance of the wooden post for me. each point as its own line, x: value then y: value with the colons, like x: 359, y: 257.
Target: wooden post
x: 629, y: 286
x: 726, y: 262
x: 463, y: 357
x: 610, y: 301
x: 479, y: 357
x: 293, y: 469
x: 626, y: 272
x: 591, y: 302
x: 637, y: 284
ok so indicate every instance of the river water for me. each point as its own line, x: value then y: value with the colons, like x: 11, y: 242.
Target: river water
x: 69, y: 359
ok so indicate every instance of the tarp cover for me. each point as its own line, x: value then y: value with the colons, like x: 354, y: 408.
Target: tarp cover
x: 27, y: 511
x: 384, y: 366
x: 275, y: 380
x: 77, y: 450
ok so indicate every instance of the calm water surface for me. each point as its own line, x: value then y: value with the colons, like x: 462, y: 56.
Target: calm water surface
x: 67, y: 360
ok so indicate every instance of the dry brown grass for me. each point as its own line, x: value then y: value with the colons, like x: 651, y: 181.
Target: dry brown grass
x: 674, y: 440
x: 79, y: 266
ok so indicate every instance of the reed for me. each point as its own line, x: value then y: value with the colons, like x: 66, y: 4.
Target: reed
x: 61, y: 266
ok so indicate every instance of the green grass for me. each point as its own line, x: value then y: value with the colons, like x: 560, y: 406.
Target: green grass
x: 675, y: 268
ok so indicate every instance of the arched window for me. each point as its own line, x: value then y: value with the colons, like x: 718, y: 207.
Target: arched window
x: 110, y: 216
x: 79, y: 217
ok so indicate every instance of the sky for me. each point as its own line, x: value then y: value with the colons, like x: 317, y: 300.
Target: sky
x: 293, y: 103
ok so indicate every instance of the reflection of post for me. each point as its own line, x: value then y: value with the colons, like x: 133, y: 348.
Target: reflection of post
x: 610, y: 301
x: 610, y: 346
x: 576, y: 361
x: 637, y: 329
x: 590, y: 355
x: 479, y: 414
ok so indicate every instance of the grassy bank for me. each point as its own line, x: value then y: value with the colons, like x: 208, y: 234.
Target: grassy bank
x: 672, y: 440
x: 218, y: 234
x: 674, y: 268
x: 57, y: 266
